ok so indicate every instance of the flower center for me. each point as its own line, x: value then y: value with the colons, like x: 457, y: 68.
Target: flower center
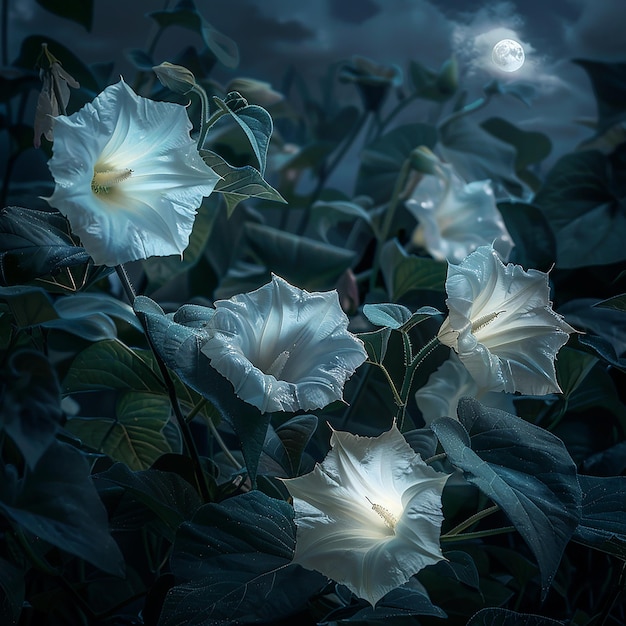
x: 103, y: 181
x: 277, y: 367
x: 387, y: 516
x: 483, y: 321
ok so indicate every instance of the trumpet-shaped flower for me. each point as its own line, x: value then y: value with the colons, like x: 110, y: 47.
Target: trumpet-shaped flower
x: 501, y: 324
x: 128, y: 176
x: 456, y: 217
x: 282, y: 348
x: 440, y: 396
x: 369, y: 517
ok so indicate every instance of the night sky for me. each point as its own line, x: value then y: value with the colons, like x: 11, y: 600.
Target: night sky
x: 274, y: 34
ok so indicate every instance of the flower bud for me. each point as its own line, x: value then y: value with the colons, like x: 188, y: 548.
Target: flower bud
x: 423, y: 160
x: 448, y: 77
x: 175, y: 77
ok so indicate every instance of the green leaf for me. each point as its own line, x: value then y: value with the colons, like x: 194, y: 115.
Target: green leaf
x: 504, y: 617
x: 35, y: 243
x: 605, y: 349
x: 428, y: 84
x: 13, y: 587
x: 305, y: 262
x: 584, y: 201
x: 179, y: 346
x: 135, y: 436
x: 79, y: 11
x: 616, y: 302
x: 376, y: 343
x: 609, y: 86
x: 86, y: 315
x: 603, y: 523
x: 382, y: 159
x: 29, y: 306
x: 285, y: 445
x: 572, y: 367
x: 325, y: 215
x: 239, y: 183
x: 257, y: 125
x: 110, y: 365
x: 531, y: 147
x: 404, y: 273
x: 526, y: 470
x: 59, y: 503
x: 535, y: 244
x: 31, y: 405
x: 406, y: 601
x: 234, y: 557
x: 477, y: 154
x: 389, y: 315
x: 187, y: 16
x: 168, y: 495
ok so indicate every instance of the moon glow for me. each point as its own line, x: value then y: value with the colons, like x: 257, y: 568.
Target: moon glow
x: 508, y: 55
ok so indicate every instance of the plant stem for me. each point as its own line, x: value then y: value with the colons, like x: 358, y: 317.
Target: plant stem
x: 327, y: 169
x: 223, y: 446
x: 479, y: 534
x: 388, y: 220
x: 470, y: 521
x: 171, y: 391
x: 436, y: 457
x: 418, y: 359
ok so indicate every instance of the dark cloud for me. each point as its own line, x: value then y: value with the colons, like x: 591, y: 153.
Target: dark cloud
x: 353, y: 11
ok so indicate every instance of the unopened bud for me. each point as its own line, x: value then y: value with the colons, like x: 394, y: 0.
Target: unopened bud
x: 423, y: 160
x: 448, y: 78
x: 175, y: 77
x: 235, y: 101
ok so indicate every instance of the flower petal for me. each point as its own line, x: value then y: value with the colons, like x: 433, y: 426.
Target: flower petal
x: 502, y: 325
x: 369, y: 516
x: 148, y: 209
x: 455, y: 218
x: 282, y: 348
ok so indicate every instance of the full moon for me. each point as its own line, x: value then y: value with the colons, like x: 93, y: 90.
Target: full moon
x: 508, y: 55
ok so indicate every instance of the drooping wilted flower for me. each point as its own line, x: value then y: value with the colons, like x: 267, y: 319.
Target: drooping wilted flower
x: 54, y: 95
x: 456, y: 217
x: 282, y: 348
x: 501, y: 324
x: 128, y: 176
x: 369, y: 517
x: 449, y: 383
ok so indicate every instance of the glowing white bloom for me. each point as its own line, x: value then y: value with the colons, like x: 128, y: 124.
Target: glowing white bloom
x: 456, y: 217
x: 282, y: 348
x: 440, y: 396
x: 128, y: 176
x: 369, y: 517
x: 501, y: 324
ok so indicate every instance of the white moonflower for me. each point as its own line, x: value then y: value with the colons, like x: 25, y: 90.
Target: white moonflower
x: 282, y: 348
x: 369, y: 517
x: 501, y: 324
x: 440, y: 396
x: 128, y: 176
x: 456, y: 217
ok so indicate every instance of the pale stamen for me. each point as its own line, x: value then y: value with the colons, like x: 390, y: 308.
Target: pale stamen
x: 103, y: 181
x: 483, y: 321
x: 277, y: 367
x: 387, y: 516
